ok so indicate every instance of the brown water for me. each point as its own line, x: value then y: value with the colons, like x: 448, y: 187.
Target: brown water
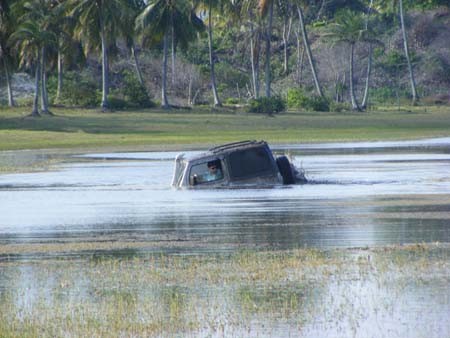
x: 360, y: 195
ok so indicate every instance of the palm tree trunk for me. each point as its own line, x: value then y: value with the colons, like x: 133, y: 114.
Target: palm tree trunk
x: 268, y: 52
x: 105, y: 68
x: 254, y: 62
x: 35, y: 111
x: 355, y: 105
x: 257, y: 70
x: 415, y: 97
x: 173, y: 52
x: 60, y: 76
x: 285, y: 49
x: 164, y: 101
x: 211, y: 58
x: 137, y: 67
x: 336, y: 87
x: 308, y: 51
x: 339, y: 87
x: 287, y: 24
x: 300, y: 57
x: 369, y: 71
x: 369, y: 63
x: 11, y: 102
x: 44, y: 101
x: 189, y: 101
x: 342, y: 87
x: 44, y: 92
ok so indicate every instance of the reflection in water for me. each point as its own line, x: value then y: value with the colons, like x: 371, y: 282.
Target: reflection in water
x: 121, y: 206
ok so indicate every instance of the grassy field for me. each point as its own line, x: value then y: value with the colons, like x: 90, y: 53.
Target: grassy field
x: 91, y: 129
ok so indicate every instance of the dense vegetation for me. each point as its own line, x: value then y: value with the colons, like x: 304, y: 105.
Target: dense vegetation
x: 308, y: 55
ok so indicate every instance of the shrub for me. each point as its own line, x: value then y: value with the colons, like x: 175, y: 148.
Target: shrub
x: 117, y: 102
x: 133, y: 92
x: 77, y: 90
x: 438, y: 99
x: 387, y: 94
x: 437, y: 68
x: 318, y: 103
x: 221, y: 87
x: 424, y: 31
x: 232, y: 100
x: 81, y: 89
x: 23, y: 101
x: 338, y: 107
x: 230, y: 76
x: 394, y: 63
x: 297, y: 99
x: 267, y: 105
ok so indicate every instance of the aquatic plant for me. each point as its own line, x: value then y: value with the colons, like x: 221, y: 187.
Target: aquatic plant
x: 251, y: 292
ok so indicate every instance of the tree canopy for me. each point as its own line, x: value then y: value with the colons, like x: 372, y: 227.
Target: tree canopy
x: 225, y: 61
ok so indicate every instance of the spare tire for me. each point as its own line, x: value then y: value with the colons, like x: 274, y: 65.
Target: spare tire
x: 285, y: 168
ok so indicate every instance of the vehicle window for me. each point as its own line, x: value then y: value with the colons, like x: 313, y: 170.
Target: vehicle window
x: 206, y: 172
x: 249, y: 162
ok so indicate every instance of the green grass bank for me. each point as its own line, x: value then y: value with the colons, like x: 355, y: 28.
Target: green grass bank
x: 72, y: 128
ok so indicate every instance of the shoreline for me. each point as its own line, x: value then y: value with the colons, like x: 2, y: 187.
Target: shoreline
x: 36, y: 160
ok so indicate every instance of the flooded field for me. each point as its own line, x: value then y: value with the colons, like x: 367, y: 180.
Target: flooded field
x: 362, y: 250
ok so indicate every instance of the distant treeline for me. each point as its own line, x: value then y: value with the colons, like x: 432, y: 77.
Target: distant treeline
x: 308, y: 54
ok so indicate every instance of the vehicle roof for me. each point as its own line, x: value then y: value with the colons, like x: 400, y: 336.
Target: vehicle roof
x: 228, y: 148
x: 235, y: 145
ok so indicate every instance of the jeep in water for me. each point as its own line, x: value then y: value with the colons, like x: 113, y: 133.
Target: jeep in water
x: 235, y: 164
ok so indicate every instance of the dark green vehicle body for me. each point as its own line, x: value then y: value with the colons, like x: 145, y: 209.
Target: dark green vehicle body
x: 240, y: 164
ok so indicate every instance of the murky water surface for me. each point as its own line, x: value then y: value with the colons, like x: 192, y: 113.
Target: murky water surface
x: 359, y: 195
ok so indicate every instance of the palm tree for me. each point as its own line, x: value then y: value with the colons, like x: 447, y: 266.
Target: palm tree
x: 127, y: 28
x: 248, y: 15
x: 30, y: 41
x: 415, y: 96
x: 307, y: 48
x: 97, y: 26
x: 43, y: 13
x: 161, y: 18
x: 32, y: 38
x: 266, y: 9
x: 285, y: 9
x: 349, y: 27
x: 442, y: 3
x: 369, y: 61
x: 66, y: 47
x: 6, y: 52
x: 210, y: 5
x: 384, y: 4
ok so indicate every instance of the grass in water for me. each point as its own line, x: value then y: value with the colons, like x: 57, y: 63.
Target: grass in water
x: 248, y: 293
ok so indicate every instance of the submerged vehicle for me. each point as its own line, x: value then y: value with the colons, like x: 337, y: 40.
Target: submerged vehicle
x: 235, y: 164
